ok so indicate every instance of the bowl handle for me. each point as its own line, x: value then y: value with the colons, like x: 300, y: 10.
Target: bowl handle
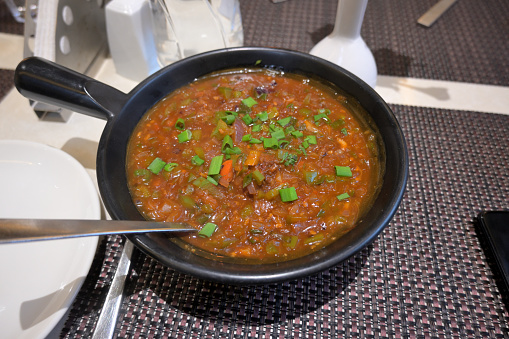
x: 45, y: 81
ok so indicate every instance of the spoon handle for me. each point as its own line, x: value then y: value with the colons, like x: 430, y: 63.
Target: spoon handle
x: 21, y: 230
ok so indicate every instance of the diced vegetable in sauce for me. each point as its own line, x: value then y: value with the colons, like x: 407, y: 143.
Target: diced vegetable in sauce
x: 266, y: 165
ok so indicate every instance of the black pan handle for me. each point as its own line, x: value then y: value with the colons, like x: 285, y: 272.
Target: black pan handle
x: 45, y: 81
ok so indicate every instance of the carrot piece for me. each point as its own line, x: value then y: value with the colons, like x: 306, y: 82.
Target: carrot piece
x: 226, y: 173
x: 252, y: 158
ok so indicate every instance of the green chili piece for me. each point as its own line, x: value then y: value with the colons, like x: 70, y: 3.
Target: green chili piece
x: 343, y: 196
x: 288, y: 194
x: 249, y: 102
x: 185, y: 136
x: 258, y: 177
x: 170, y: 166
x: 156, y: 165
x: 180, y: 124
x: 343, y: 171
x: 315, y: 238
x: 207, y: 230
x: 196, y: 160
x: 215, y: 165
x: 225, y: 91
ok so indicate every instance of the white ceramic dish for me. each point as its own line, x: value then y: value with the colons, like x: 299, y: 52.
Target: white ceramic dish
x: 39, y: 280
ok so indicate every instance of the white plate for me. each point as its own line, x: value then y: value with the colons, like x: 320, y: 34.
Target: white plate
x: 39, y: 280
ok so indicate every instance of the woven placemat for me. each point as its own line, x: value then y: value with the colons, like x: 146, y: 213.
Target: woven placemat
x: 425, y: 276
x: 469, y: 43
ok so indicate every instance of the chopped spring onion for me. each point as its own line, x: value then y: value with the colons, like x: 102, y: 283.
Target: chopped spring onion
x: 196, y: 160
x: 297, y: 134
x: 156, y: 165
x: 207, y: 230
x: 278, y: 134
x: 320, y: 116
x: 285, y: 121
x: 343, y: 196
x: 305, y: 144
x: 212, y: 180
x: 180, y: 124
x: 170, y: 166
x: 185, y: 136
x: 263, y: 116
x: 249, y: 102
x: 247, y: 137
x: 247, y: 119
x: 215, y: 165
x: 270, y: 143
x: 311, y: 139
x: 229, y: 119
x: 343, y: 171
x: 227, y: 143
x: 257, y: 128
x: 288, y: 194
x: 255, y: 141
x: 344, y: 131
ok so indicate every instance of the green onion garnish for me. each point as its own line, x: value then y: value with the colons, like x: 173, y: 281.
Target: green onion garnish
x: 180, y: 124
x: 270, y: 143
x: 344, y: 131
x: 311, y: 139
x: 207, y: 230
x: 343, y: 171
x: 212, y: 180
x: 247, y: 119
x: 297, y: 134
x: 285, y: 121
x: 279, y: 134
x: 257, y: 128
x: 229, y: 119
x: 320, y: 116
x: 196, y: 160
x: 185, y: 136
x: 263, y: 116
x: 249, y: 102
x: 288, y: 194
x: 170, y: 166
x: 247, y: 137
x: 343, y: 196
x: 227, y: 143
x: 215, y: 165
x: 255, y: 141
x: 156, y: 166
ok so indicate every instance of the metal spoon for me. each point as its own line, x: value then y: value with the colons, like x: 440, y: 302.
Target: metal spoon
x: 22, y: 230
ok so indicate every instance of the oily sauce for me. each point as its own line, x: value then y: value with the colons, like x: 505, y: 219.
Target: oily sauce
x: 269, y: 166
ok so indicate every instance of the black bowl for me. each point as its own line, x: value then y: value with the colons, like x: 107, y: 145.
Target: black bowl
x: 74, y: 91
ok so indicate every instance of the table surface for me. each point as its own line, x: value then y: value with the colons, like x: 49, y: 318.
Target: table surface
x: 426, y: 275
